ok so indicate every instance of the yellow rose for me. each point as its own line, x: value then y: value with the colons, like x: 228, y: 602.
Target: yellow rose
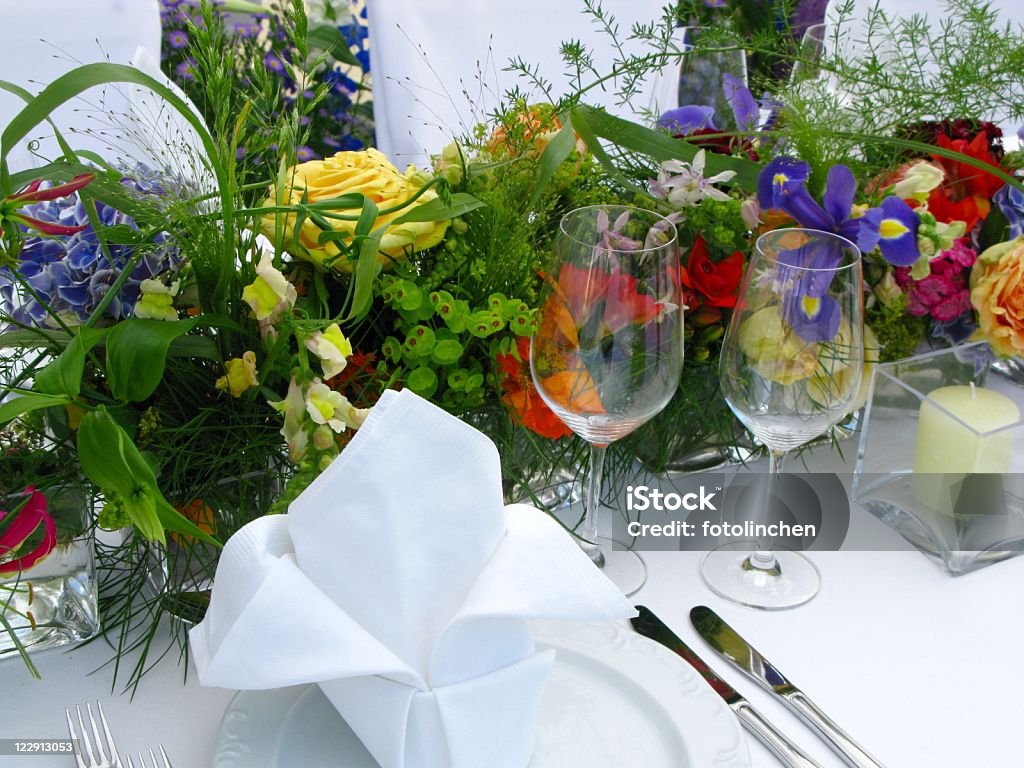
x: 774, y: 351
x: 368, y: 172
x: 997, y: 293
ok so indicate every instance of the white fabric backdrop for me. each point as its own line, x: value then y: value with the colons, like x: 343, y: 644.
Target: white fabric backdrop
x: 437, y: 64
x: 46, y: 38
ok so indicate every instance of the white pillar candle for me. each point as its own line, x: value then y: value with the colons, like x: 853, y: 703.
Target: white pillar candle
x: 954, y: 439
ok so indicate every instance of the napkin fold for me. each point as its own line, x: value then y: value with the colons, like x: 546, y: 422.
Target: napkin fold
x: 401, y: 584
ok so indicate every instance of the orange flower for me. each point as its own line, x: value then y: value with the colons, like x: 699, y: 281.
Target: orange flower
x: 521, y: 397
x: 997, y: 293
x: 574, y: 390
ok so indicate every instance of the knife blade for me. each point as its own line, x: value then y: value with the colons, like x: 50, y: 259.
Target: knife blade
x: 649, y: 625
x: 732, y: 647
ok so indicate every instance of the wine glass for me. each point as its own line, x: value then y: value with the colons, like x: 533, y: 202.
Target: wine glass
x: 703, y: 66
x: 608, y: 350
x: 809, y: 52
x: 790, y: 368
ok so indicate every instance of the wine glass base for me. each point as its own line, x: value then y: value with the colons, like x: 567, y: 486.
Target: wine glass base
x: 794, y: 581
x: 624, y: 568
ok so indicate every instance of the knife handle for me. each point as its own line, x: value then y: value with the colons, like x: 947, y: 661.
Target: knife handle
x: 852, y: 753
x: 788, y: 752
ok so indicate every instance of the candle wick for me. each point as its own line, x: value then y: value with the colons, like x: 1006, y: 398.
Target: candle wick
x: 974, y: 391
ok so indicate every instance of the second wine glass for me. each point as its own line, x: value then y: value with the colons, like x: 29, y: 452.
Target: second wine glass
x: 790, y: 368
x: 608, y: 349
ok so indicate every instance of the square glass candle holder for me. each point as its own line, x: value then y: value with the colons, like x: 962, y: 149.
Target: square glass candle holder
x: 941, y: 457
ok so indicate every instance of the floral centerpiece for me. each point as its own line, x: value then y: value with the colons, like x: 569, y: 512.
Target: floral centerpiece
x: 203, y: 338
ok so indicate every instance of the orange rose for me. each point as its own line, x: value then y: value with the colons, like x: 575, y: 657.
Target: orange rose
x: 997, y: 293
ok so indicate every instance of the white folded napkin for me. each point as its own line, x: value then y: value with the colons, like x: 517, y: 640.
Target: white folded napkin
x: 400, y: 583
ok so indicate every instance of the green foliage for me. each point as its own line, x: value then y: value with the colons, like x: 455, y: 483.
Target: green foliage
x: 899, y: 334
x: 875, y: 81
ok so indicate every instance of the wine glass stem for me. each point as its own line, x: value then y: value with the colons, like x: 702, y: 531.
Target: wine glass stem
x: 763, y: 557
x: 591, y: 502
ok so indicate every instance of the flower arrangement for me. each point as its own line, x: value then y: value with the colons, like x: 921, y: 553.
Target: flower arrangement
x: 201, y: 352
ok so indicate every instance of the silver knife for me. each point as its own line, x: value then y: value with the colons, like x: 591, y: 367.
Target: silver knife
x: 724, y: 639
x: 649, y: 625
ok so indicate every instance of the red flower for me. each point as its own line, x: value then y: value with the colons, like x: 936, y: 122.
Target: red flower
x: 581, y: 291
x: 968, y: 191
x: 715, y: 285
x: 18, y: 530
x: 521, y: 397
x: 33, y: 194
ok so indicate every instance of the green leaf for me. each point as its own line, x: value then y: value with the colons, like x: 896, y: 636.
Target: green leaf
x: 367, y: 268
x: 137, y: 355
x: 23, y: 404
x: 109, y: 459
x: 595, y: 124
x: 555, y: 153
x: 446, y: 352
x: 64, y: 375
x: 436, y: 210
x: 330, y: 40
x: 172, y: 520
x: 367, y: 217
x: 194, y: 347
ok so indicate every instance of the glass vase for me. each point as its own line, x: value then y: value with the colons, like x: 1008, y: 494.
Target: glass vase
x: 53, y: 601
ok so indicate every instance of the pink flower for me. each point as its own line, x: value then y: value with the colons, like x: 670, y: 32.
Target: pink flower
x: 944, y: 293
x: 24, y: 523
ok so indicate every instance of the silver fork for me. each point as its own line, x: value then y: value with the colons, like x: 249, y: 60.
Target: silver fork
x: 102, y: 761
x: 156, y: 763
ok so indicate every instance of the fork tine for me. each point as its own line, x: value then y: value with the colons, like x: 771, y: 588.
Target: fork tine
x: 167, y: 762
x: 114, y: 758
x: 128, y: 757
x: 85, y: 736
x: 96, y: 733
x: 76, y: 744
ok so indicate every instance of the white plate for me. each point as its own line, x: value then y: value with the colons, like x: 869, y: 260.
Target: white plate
x: 614, y: 698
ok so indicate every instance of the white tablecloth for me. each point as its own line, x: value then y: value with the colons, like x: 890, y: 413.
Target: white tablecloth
x: 922, y: 668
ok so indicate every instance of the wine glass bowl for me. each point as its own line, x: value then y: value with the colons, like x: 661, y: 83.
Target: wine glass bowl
x: 790, y: 368
x: 607, y: 352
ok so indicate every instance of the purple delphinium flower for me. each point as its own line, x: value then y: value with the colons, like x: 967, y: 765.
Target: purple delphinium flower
x: 1011, y: 202
x: 684, y: 120
x: 955, y: 331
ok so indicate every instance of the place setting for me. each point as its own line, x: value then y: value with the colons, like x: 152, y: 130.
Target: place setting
x: 386, y: 386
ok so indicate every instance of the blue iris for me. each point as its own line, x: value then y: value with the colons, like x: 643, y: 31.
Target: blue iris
x: 806, y: 274
x: 891, y: 227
